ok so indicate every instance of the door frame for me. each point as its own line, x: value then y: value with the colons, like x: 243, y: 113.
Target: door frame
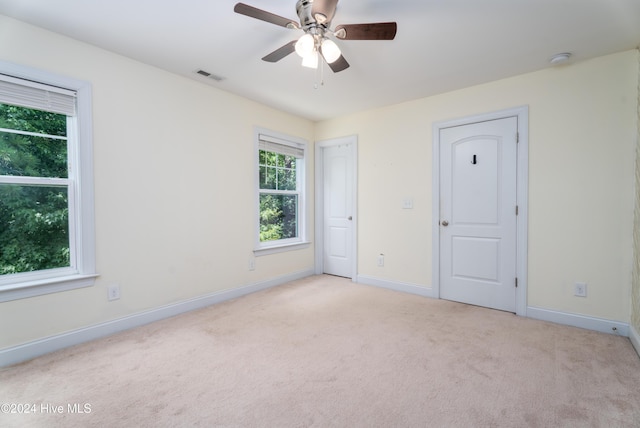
x: 522, y: 196
x: 352, y: 140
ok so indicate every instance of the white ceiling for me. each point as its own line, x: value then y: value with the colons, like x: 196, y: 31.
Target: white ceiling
x: 441, y: 45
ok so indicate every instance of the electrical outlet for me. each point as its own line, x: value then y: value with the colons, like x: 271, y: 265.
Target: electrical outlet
x: 580, y: 289
x: 113, y: 292
x: 252, y: 263
x: 381, y: 260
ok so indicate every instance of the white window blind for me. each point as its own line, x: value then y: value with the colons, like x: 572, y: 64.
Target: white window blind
x: 271, y: 144
x: 37, y: 96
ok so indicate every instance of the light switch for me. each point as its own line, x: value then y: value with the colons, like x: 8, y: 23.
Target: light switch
x: 407, y: 203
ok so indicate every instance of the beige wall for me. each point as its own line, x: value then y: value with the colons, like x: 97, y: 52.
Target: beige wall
x: 174, y: 190
x: 635, y: 294
x: 173, y: 187
x: 582, y: 121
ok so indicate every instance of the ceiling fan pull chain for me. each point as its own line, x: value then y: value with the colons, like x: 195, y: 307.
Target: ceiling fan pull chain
x: 315, y: 84
x: 319, y: 76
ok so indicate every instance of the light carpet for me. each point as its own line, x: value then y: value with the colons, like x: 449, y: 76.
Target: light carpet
x: 325, y: 352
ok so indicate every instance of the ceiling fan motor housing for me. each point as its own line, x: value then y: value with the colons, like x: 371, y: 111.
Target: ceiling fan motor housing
x: 304, y: 8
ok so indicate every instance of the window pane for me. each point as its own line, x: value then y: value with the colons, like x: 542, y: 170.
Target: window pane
x: 268, y: 177
x: 263, y: 177
x: 25, y: 155
x: 30, y: 120
x: 34, y: 228
x: 286, y: 179
x: 278, y: 217
x: 268, y: 158
x: 290, y: 162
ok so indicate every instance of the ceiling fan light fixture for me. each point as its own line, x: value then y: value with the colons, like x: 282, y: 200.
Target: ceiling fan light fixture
x: 310, y: 60
x: 330, y: 51
x: 305, y: 45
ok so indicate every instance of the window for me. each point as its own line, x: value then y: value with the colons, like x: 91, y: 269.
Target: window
x: 46, y: 184
x: 281, y: 202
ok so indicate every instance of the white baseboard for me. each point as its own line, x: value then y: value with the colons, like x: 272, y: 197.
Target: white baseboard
x: 634, y: 336
x: 36, y: 348
x: 582, y: 321
x: 405, y: 287
x: 575, y: 320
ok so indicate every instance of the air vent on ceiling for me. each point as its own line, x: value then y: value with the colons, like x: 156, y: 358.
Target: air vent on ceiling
x: 210, y: 75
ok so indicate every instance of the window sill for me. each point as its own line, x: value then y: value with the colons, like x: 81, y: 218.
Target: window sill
x: 280, y: 248
x: 40, y: 287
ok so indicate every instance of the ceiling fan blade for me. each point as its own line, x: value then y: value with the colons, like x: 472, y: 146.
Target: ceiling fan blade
x: 326, y: 8
x: 253, y: 12
x: 339, y: 64
x: 281, y: 52
x: 375, y: 31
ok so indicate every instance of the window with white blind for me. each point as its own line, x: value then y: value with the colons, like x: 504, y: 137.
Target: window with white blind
x: 46, y: 183
x: 281, y: 195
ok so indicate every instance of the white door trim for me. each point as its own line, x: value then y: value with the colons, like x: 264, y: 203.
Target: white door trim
x: 522, y: 113
x: 352, y: 140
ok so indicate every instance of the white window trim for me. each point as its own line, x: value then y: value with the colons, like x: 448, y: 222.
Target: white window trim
x: 272, y: 247
x: 20, y: 286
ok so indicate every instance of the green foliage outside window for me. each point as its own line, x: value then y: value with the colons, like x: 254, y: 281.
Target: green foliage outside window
x: 34, y: 220
x: 279, y: 204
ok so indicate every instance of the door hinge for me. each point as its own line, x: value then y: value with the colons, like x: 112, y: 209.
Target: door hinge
x: 517, y: 210
x: 517, y: 137
x: 516, y: 282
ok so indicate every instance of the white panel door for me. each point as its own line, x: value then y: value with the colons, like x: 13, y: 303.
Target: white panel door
x: 337, y: 202
x: 478, y: 169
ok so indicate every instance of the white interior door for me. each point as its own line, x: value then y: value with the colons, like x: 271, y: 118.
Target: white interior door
x: 478, y: 239
x: 338, y: 210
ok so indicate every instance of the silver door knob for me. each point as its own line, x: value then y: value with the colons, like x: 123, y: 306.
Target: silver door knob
x: 445, y: 223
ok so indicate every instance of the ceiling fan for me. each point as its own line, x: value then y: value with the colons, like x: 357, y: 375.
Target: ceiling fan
x: 315, y: 20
